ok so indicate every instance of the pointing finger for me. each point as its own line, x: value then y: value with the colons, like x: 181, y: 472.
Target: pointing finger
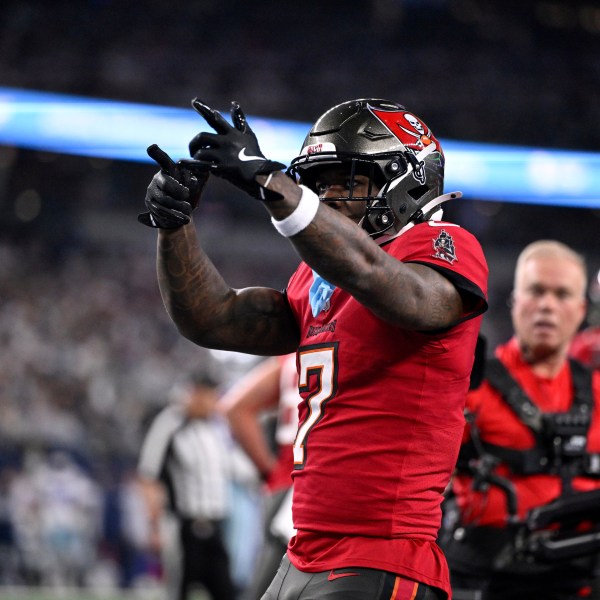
x: 238, y: 117
x: 211, y: 116
x: 162, y: 158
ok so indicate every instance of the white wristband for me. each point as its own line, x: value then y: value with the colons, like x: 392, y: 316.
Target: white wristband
x: 302, y: 216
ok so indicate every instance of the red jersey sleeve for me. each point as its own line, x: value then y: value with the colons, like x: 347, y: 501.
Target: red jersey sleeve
x: 453, y: 252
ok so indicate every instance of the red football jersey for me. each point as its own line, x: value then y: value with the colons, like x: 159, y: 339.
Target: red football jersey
x: 382, y: 418
x: 287, y: 423
x: 499, y: 425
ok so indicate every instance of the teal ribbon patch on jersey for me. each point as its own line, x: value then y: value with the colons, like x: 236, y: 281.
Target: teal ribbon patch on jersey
x: 319, y: 294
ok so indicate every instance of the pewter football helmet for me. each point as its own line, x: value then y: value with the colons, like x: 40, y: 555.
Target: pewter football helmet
x: 389, y: 144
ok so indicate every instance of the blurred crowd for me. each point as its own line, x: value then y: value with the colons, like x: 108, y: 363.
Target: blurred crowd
x: 494, y: 71
x: 89, y: 355
x: 88, y: 341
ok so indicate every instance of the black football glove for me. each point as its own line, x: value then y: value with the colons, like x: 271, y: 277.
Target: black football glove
x: 233, y: 152
x: 173, y: 193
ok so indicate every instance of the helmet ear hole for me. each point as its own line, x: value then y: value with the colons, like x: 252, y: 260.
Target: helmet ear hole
x: 418, y: 191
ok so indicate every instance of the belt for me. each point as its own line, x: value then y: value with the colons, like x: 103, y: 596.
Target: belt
x: 202, y: 527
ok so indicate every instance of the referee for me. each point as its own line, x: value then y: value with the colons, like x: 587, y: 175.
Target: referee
x: 184, y: 466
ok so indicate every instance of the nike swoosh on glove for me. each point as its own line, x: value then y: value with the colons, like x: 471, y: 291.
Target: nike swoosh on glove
x: 233, y: 152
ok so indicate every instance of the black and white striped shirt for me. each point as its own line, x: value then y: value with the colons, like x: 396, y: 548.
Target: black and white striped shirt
x: 192, y: 457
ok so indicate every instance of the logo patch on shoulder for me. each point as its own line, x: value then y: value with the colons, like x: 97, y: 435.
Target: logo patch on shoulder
x: 444, y: 247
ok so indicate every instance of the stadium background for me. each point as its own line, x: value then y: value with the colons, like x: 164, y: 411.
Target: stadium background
x: 88, y: 351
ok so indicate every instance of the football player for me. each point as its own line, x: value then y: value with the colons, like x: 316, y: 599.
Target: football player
x: 383, y: 313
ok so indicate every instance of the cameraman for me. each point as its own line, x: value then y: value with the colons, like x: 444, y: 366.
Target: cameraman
x: 531, y: 438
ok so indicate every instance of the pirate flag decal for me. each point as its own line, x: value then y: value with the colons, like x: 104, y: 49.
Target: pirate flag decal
x: 444, y: 247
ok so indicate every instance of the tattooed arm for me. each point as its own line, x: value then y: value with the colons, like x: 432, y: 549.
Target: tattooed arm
x: 259, y: 320
x: 209, y: 312
x: 411, y: 296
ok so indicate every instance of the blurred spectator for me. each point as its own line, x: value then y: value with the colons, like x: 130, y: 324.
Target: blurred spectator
x: 127, y: 532
x: 8, y: 554
x: 24, y: 506
x: 56, y: 513
x: 70, y: 519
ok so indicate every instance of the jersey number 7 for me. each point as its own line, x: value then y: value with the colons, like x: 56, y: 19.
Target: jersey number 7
x: 318, y: 366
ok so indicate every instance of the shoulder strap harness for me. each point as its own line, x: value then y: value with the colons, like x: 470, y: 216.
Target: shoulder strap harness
x: 561, y: 438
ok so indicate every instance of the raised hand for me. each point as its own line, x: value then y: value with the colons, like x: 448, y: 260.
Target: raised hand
x: 232, y: 152
x: 174, y: 191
